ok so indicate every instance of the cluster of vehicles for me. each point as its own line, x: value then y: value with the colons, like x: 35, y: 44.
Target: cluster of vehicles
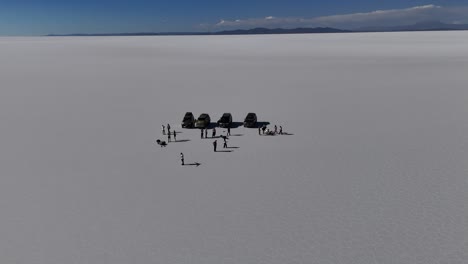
x: 204, y: 120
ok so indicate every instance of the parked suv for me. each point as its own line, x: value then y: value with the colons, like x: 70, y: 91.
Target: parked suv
x: 203, y: 121
x: 188, y: 121
x: 225, y: 120
x: 250, y: 120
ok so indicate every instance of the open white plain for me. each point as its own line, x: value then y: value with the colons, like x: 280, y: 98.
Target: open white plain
x: 376, y: 171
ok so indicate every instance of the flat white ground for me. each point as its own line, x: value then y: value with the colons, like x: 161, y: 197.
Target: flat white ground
x: 376, y: 171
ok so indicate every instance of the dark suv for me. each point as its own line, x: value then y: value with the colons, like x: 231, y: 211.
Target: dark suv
x: 250, y: 120
x: 225, y: 120
x: 188, y: 121
x: 203, y: 121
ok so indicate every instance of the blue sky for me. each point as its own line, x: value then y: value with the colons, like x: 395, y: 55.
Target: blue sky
x: 38, y: 17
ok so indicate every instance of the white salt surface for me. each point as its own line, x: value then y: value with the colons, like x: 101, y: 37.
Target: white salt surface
x: 376, y: 171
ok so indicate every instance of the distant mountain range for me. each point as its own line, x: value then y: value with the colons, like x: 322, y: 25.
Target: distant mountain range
x: 422, y: 26
x: 254, y: 31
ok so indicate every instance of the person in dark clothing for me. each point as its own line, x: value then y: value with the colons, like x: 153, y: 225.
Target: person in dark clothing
x: 215, y: 144
x: 168, y: 129
x: 229, y: 131
x: 206, y: 132
x: 225, y: 142
x: 161, y: 143
x: 214, y: 133
x: 182, y: 158
x: 201, y: 133
x: 168, y: 137
x: 175, y: 136
x: 281, y: 130
x: 276, y: 129
x: 163, y: 130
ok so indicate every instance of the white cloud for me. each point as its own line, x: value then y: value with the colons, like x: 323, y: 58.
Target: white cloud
x: 391, y: 17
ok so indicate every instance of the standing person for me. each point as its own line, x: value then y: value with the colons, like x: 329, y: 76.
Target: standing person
x: 276, y: 129
x: 214, y: 133
x: 164, y: 130
x: 229, y: 131
x: 201, y: 133
x: 182, y: 158
x: 206, y: 132
x: 168, y: 128
x: 215, y: 144
x: 175, y: 136
x: 225, y: 142
x: 281, y: 130
x: 168, y: 137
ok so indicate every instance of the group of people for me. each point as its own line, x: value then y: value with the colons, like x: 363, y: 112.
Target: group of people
x: 204, y: 132
x: 169, y: 134
x: 166, y: 130
x: 263, y: 130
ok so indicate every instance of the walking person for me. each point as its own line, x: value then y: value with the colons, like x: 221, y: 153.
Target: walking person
x: 163, y: 130
x: 206, y: 132
x: 168, y: 137
x: 168, y: 128
x: 214, y: 133
x: 225, y: 142
x: 175, y: 136
x: 201, y: 133
x: 182, y: 158
x: 281, y: 130
x: 215, y: 144
x: 229, y: 131
x: 276, y: 129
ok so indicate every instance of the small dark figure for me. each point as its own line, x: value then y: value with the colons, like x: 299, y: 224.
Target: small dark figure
x: 206, y: 132
x: 168, y: 128
x: 161, y: 143
x: 263, y: 129
x: 175, y: 136
x: 168, y: 137
x: 225, y: 142
x: 281, y: 130
x: 229, y: 131
x: 276, y: 129
x: 259, y: 131
x: 215, y: 144
x: 201, y: 133
x: 214, y: 133
x: 182, y: 158
x: 163, y: 130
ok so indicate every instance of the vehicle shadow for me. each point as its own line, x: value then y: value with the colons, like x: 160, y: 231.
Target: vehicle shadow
x: 260, y: 124
x: 212, y: 125
x: 236, y: 135
x: 223, y: 150
x: 235, y: 125
x: 232, y: 147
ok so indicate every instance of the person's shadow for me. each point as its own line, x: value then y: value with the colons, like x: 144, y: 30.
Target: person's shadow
x: 223, y: 151
x: 193, y: 164
x: 181, y: 140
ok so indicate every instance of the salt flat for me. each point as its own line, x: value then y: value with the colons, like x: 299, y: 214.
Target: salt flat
x: 376, y: 171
